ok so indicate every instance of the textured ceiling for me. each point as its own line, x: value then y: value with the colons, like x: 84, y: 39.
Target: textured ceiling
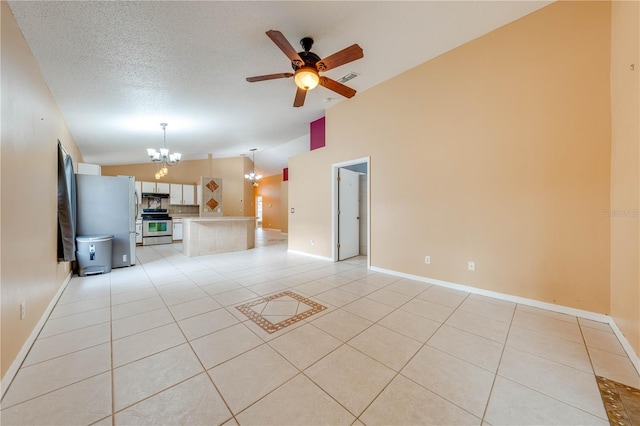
x: 119, y: 69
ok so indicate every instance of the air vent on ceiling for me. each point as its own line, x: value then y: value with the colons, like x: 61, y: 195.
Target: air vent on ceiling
x: 347, y: 77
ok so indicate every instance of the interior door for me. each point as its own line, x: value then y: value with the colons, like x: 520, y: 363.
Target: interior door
x: 348, y: 208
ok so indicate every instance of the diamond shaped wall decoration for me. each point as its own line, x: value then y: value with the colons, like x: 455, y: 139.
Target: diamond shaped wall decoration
x: 212, y: 204
x: 212, y: 186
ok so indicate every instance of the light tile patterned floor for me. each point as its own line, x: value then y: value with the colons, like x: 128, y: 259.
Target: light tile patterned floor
x: 164, y: 343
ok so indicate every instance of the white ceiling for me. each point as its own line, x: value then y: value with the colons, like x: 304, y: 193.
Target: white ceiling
x: 119, y: 69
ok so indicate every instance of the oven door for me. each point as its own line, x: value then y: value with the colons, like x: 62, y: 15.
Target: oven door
x: 156, y: 227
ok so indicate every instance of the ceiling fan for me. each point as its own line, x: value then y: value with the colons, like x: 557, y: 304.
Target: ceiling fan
x: 307, y: 66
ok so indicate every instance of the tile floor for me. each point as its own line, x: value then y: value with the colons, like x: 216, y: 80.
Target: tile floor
x: 163, y: 343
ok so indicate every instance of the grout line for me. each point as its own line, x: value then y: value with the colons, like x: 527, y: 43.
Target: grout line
x: 113, y: 387
x: 66, y: 354
x: 53, y: 390
x: 593, y: 369
x: 495, y: 376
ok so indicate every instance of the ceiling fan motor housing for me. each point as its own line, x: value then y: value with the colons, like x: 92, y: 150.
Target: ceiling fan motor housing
x: 310, y: 59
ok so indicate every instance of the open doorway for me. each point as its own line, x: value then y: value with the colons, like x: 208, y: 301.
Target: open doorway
x: 259, y: 211
x: 351, y: 210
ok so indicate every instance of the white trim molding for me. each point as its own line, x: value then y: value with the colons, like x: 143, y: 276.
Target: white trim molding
x: 334, y: 205
x: 625, y: 344
x: 26, y: 347
x: 633, y: 357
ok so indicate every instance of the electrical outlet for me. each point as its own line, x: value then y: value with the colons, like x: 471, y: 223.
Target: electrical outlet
x: 471, y: 265
x: 23, y: 310
x: 427, y: 260
x: 312, y: 242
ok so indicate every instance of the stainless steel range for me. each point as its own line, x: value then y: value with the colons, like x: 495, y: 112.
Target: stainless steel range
x: 157, y: 226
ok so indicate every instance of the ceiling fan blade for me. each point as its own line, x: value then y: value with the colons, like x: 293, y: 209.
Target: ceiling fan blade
x: 300, y: 95
x: 339, y: 88
x: 342, y: 57
x: 285, y: 46
x: 269, y: 77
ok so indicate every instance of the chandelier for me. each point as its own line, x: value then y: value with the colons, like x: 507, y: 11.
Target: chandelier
x: 253, y: 177
x: 163, y: 158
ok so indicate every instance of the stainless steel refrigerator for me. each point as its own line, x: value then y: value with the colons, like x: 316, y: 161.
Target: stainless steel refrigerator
x: 107, y: 205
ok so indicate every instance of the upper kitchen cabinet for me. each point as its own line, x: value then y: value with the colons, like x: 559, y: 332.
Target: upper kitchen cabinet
x: 162, y: 188
x: 188, y: 194
x: 175, y: 193
x: 148, y: 187
x: 182, y: 194
x: 89, y: 169
x: 158, y: 187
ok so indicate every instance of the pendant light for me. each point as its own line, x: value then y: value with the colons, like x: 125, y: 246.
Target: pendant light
x: 253, y: 177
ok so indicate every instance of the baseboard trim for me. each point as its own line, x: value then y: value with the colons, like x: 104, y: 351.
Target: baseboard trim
x: 626, y: 345
x: 26, y: 347
x: 529, y: 302
x: 315, y: 256
x: 271, y: 229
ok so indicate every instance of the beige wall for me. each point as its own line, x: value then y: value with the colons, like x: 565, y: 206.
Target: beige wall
x: 625, y: 169
x: 496, y: 152
x: 188, y: 171
x: 237, y: 193
x: 31, y: 126
x: 270, y: 191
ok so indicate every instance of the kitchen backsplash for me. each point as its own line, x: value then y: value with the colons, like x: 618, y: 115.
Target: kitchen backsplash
x: 180, y: 209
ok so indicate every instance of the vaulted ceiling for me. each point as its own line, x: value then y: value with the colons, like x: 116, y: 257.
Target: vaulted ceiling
x: 118, y: 69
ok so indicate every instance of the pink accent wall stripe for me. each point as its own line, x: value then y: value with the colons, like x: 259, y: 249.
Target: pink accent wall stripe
x: 317, y: 134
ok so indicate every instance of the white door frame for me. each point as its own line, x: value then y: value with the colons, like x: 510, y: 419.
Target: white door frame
x: 334, y: 206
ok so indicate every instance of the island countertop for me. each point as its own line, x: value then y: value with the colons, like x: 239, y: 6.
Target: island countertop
x: 217, y: 219
x: 212, y: 235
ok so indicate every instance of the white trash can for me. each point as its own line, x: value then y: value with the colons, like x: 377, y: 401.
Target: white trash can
x: 93, y: 254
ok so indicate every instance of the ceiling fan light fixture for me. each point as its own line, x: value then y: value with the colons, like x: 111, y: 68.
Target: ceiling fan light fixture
x: 306, y: 78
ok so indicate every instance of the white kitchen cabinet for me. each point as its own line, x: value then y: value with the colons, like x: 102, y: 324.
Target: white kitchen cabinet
x: 177, y: 229
x: 138, y: 232
x: 157, y: 187
x: 175, y: 194
x: 182, y: 194
x: 89, y: 169
x: 148, y: 187
x: 162, y: 188
x: 188, y: 194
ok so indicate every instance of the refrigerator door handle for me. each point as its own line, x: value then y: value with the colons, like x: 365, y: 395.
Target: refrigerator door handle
x: 135, y: 196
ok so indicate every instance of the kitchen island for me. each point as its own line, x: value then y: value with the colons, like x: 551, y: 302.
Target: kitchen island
x: 212, y: 235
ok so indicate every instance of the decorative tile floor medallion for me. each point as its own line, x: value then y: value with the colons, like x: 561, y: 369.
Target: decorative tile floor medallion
x: 280, y: 310
x: 622, y: 402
